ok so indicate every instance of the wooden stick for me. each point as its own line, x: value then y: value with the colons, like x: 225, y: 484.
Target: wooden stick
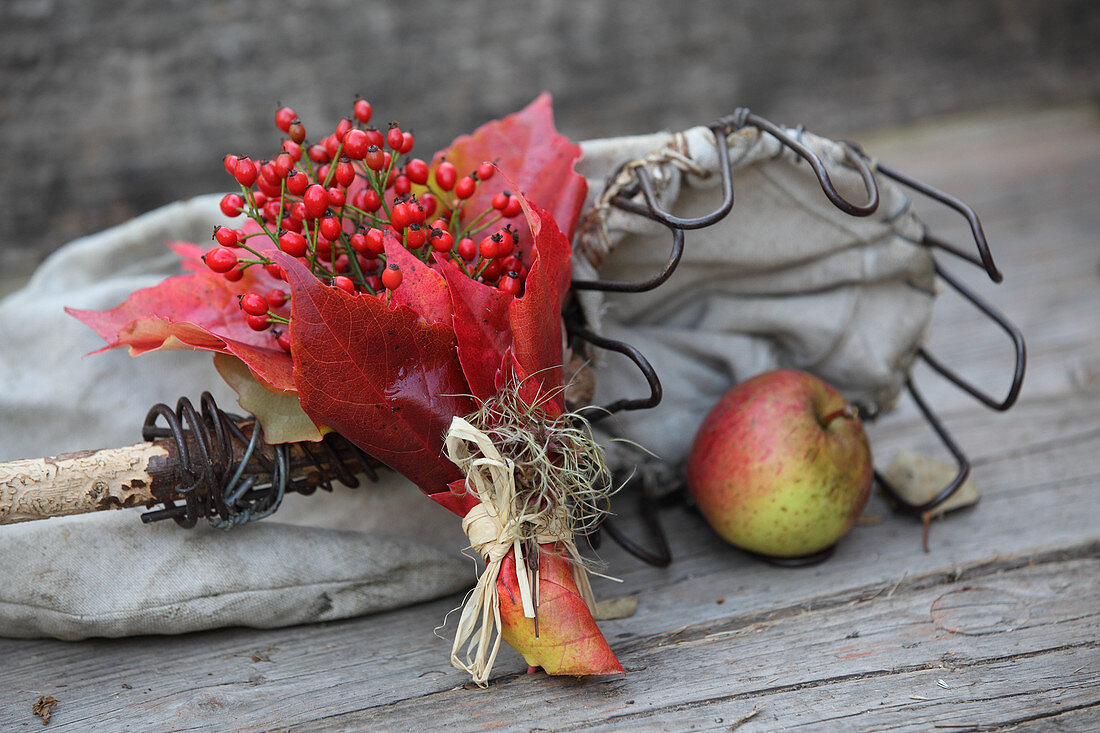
x: 76, y: 483
x: 145, y: 474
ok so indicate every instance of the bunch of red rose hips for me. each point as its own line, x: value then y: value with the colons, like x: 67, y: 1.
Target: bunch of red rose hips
x: 331, y: 204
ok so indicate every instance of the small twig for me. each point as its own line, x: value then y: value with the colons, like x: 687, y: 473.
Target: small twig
x: 737, y: 724
x: 891, y: 593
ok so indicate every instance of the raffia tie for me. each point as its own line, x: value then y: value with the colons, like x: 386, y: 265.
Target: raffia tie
x: 494, y: 526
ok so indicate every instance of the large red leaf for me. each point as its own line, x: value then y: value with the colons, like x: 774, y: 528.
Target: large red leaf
x: 500, y: 336
x: 481, y: 329
x: 382, y: 377
x: 422, y: 288
x: 527, y: 147
x: 535, y: 319
x: 569, y: 642
x: 195, y: 311
x: 190, y: 255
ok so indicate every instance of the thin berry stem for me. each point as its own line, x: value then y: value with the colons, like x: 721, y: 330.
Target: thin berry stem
x: 482, y: 267
x: 332, y: 166
x: 282, y: 200
x: 353, y: 263
x: 254, y: 215
x: 462, y: 265
x: 470, y: 230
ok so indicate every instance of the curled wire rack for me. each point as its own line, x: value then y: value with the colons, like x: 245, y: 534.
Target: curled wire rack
x: 650, y: 208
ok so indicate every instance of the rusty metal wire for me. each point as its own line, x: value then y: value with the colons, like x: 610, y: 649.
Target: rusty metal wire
x: 230, y: 476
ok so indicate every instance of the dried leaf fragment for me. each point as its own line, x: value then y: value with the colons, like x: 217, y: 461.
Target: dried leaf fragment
x: 43, y: 708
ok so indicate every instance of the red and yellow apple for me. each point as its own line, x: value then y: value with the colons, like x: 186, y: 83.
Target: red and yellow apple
x: 781, y: 465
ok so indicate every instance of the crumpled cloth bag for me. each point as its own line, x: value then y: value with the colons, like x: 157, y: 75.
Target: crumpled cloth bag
x: 786, y: 280
x: 322, y: 557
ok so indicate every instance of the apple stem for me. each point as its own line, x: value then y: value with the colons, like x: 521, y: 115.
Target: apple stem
x: 848, y: 412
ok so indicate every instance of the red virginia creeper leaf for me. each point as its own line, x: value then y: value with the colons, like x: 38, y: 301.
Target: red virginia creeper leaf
x: 528, y: 147
x: 382, y: 377
x: 535, y: 318
x: 481, y: 329
x: 457, y: 499
x: 569, y: 642
x: 190, y: 256
x: 195, y: 311
x: 422, y: 288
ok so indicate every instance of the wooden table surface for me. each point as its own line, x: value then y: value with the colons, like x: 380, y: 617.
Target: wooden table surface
x: 997, y: 627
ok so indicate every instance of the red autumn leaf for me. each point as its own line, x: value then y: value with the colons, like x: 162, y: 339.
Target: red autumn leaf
x: 498, y: 334
x: 382, y: 377
x: 481, y: 329
x: 528, y: 147
x: 456, y: 498
x: 195, y: 311
x: 569, y: 642
x: 535, y: 318
x: 190, y: 255
x: 422, y: 288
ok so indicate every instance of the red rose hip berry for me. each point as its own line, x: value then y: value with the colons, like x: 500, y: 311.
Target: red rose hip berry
x: 363, y: 110
x: 394, y: 138
x: 231, y: 204
x: 220, y: 259
x: 465, y: 188
x: 254, y: 304
x: 293, y: 244
x: 225, y: 236
x: 391, y: 276
x: 257, y: 323
x: 316, y: 200
x: 284, y: 118
x: 446, y: 175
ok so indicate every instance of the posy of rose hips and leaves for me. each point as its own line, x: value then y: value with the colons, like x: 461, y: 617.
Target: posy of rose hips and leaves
x: 390, y: 371
x: 334, y: 203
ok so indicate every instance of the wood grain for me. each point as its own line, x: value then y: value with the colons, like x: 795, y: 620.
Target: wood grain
x: 879, y: 651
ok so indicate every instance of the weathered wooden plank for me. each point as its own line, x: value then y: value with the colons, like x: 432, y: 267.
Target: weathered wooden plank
x: 980, y: 696
x: 992, y: 649
x: 1087, y: 718
x: 327, y: 670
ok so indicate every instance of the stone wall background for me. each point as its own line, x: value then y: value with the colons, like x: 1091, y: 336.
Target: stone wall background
x: 109, y: 108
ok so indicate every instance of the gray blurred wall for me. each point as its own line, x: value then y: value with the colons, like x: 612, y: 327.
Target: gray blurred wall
x: 109, y: 108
